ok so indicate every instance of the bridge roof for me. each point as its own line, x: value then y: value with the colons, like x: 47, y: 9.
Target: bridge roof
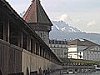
x: 11, y: 12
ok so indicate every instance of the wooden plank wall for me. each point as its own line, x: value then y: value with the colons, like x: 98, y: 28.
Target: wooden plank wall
x: 10, y: 58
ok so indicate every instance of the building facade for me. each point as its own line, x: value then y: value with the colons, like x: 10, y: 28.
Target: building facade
x: 60, y: 48
x: 76, y: 48
x: 92, y: 53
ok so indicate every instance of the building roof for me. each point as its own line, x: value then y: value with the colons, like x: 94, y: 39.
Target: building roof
x: 36, y: 14
x: 57, y: 42
x: 93, y: 48
x: 82, y: 42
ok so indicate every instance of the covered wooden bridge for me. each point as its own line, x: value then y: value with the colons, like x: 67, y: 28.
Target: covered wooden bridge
x: 22, y: 51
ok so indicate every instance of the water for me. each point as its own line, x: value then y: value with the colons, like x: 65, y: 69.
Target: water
x: 93, y: 73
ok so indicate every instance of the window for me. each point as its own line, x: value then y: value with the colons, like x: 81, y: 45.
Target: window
x: 37, y: 48
x: 24, y: 41
x: 80, y: 53
x: 32, y: 46
x: 1, y: 31
x: 41, y: 51
x: 14, y: 34
x: 41, y: 35
x: 1, y: 24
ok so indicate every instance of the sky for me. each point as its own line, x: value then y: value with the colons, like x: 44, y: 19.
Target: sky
x: 82, y: 14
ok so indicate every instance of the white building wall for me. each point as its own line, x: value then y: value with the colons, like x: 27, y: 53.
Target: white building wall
x: 72, y: 51
x: 60, y: 50
x: 75, y: 51
x: 92, y: 54
x: 72, y: 55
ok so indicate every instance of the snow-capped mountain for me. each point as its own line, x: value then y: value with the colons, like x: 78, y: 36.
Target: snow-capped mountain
x: 62, y: 31
x: 63, y: 27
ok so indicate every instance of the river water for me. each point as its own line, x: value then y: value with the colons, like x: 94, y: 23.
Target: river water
x: 93, y: 73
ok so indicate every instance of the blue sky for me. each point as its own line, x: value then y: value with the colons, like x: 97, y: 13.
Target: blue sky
x: 82, y: 14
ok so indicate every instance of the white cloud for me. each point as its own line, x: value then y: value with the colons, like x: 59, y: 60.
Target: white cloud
x: 64, y: 18
x: 77, y: 20
x: 91, y: 23
x: 19, y: 5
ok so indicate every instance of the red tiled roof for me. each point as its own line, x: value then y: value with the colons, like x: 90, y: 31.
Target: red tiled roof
x: 36, y: 14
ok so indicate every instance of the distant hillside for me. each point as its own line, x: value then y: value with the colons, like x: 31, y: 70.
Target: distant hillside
x: 63, y: 31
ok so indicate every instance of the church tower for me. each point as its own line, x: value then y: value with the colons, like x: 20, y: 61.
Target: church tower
x: 38, y: 20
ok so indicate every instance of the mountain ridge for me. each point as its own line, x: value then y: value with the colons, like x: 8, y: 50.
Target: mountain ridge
x: 62, y: 31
